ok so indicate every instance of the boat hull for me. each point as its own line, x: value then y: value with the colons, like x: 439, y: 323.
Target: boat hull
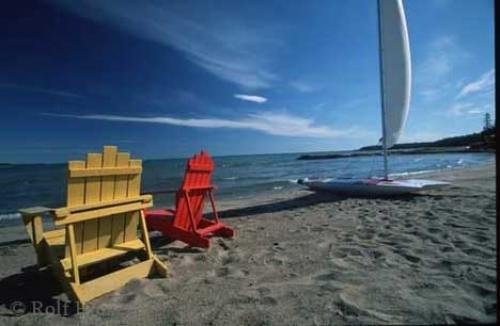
x: 372, y: 187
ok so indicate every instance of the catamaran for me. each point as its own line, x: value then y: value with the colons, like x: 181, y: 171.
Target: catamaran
x: 395, y: 89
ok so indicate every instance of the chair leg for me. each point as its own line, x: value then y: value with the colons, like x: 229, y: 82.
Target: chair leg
x: 212, y: 203
x: 72, y: 248
x: 190, y: 211
x: 145, y: 236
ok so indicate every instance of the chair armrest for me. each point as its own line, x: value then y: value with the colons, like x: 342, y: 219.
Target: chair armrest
x: 188, y: 189
x: 32, y: 219
x: 166, y: 191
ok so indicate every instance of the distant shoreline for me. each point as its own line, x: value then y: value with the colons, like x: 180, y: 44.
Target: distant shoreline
x: 479, y: 142
x: 405, y: 151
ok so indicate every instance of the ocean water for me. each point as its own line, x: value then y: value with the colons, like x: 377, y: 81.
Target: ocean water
x: 237, y: 177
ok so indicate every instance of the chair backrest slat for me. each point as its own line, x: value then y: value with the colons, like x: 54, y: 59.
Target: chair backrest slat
x: 107, y: 194
x: 198, y: 174
x: 133, y: 190
x: 92, y: 195
x: 121, y: 181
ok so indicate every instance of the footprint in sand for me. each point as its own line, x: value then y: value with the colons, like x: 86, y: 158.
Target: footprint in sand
x: 444, y: 264
x: 366, y: 234
x: 430, y: 215
x: 446, y: 248
x: 480, y: 237
x: 347, y: 251
x: 339, y: 253
x: 411, y: 258
x: 407, y: 256
x: 228, y: 271
x: 137, y: 290
x: 222, y: 244
x: 277, y: 247
x: 433, y: 230
x: 482, y: 292
x: 476, y: 252
x: 265, y: 297
x: 376, y: 254
x: 331, y: 276
x: 254, y: 318
x: 263, y: 291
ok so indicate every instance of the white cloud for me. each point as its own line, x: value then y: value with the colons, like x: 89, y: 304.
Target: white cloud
x: 437, y: 62
x: 461, y: 109
x: 433, y: 74
x: 485, y: 83
x: 220, y: 42
x: 251, y: 98
x: 269, y: 123
x: 41, y: 90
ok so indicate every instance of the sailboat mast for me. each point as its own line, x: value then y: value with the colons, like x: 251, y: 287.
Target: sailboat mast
x: 381, y: 73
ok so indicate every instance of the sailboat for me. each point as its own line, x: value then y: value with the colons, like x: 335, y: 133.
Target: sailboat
x: 395, y: 89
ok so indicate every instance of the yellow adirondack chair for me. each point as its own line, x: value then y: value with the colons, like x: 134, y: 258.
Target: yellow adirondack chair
x: 103, y: 211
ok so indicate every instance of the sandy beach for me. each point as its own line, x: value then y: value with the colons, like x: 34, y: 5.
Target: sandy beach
x: 299, y: 258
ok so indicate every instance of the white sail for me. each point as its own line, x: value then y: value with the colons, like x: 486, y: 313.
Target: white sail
x: 395, y: 68
x: 395, y: 76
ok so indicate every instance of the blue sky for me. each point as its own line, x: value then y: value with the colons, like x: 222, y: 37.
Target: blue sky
x: 167, y: 78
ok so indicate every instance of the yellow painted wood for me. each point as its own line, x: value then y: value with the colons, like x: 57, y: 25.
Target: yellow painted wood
x: 104, y: 254
x: 161, y: 267
x: 93, y: 199
x: 118, y: 229
x: 65, y: 211
x: 33, y: 211
x: 75, y: 197
x: 107, y: 194
x: 145, y: 235
x: 133, y: 190
x: 121, y: 184
x: 76, y: 186
x: 92, y: 195
x: 102, y: 212
x: 108, y: 182
x: 72, y: 248
x: 134, y: 181
x: 55, y: 237
x: 110, y: 282
x: 121, y: 181
x: 56, y: 233
x: 113, y: 171
x: 131, y: 224
x: 34, y: 226
x: 28, y: 223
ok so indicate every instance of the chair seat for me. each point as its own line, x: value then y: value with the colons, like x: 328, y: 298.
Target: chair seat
x: 104, y: 254
x: 56, y: 240
x: 55, y: 237
x: 161, y: 212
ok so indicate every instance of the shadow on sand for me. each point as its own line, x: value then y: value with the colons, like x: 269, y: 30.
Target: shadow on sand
x: 293, y: 203
x: 33, y: 291
x: 300, y: 202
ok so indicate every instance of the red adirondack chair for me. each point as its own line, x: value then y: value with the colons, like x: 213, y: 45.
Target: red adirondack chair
x: 186, y: 223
